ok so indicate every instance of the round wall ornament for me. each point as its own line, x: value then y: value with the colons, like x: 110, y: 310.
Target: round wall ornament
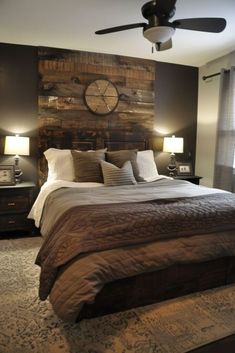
x: 101, y: 97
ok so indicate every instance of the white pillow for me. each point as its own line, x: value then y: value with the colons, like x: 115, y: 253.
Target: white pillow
x: 60, y: 164
x: 147, y: 166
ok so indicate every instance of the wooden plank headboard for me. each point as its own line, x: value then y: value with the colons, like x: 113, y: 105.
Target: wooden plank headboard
x: 64, y: 119
x: 80, y: 140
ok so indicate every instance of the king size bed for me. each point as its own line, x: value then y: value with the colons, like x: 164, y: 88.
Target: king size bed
x: 111, y: 248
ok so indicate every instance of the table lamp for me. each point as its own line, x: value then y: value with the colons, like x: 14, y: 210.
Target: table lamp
x: 173, y: 145
x: 18, y: 146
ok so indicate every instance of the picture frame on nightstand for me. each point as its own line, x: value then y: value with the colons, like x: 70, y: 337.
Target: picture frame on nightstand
x: 7, y: 175
x: 184, y: 168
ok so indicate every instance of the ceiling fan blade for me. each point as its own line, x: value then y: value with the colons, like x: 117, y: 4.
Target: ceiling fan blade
x: 121, y: 28
x: 164, y: 46
x: 211, y: 24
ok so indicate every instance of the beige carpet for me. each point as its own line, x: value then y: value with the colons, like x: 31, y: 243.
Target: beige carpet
x: 30, y: 326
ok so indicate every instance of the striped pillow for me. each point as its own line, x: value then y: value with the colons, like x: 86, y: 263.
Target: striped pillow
x: 114, y: 176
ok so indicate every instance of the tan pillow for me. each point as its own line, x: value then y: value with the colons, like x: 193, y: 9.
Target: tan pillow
x: 87, y: 166
x: 114, y: 176
x: 118, y: 158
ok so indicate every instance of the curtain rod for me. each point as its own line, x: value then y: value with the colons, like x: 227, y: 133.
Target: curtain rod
x: 213, y: 75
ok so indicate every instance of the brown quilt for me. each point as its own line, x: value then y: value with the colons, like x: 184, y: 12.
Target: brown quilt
x: 90, y: 228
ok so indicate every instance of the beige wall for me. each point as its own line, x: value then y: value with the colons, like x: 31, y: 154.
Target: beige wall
x: 208, y: 94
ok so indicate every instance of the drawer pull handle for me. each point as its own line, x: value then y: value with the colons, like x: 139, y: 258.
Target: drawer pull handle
x: 11, y: 222
x: 11, y: 204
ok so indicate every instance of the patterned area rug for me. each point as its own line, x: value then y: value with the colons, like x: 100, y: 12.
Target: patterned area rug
x: 30, y: 326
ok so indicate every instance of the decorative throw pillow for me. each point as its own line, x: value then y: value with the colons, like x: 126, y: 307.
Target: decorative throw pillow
x: 114, y: 176
x: 87, y: 165
x: 118, y: 158
x: 60, y: 164
x: 147, y: 166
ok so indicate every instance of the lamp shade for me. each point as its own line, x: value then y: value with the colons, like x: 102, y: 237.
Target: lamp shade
x: 173, y: 144
x: 17, y: 145
x: 159, y: 34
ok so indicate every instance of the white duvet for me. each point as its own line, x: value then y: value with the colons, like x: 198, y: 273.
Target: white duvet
x: 189, y: 190
x: 52, y: 185
x: 47, y: 188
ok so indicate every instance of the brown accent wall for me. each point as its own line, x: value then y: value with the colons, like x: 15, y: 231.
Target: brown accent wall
x: 176, y: 107
x: 18, y: 101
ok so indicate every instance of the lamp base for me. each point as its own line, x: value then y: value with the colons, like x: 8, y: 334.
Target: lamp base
x: 172, y: 170
x: 18, y: 174
x: 18, y: 171
x: 172, y: 166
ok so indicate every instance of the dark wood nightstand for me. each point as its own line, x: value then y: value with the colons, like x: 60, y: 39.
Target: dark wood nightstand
x: 192, y: 178
x: 15, y: 204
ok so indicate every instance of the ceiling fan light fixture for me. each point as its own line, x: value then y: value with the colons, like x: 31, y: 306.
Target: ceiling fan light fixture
x: 159, y: 34
x: 159, y: 31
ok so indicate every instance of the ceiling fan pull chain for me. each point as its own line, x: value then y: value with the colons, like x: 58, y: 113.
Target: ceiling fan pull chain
x: 158, y: 46
x: 152, y: 48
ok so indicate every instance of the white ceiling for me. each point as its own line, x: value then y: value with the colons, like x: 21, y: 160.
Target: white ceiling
x: 71, y: 24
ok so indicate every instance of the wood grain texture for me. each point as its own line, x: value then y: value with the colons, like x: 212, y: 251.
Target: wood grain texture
x: 64, y: 119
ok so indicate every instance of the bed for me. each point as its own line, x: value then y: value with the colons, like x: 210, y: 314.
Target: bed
x: 108, y: 249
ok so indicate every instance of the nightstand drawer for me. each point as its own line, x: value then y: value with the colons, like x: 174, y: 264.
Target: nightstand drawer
x: 14, y: 204
x: 14, y: 221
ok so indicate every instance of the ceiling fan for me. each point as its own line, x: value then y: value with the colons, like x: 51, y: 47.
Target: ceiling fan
x: 159, y: 30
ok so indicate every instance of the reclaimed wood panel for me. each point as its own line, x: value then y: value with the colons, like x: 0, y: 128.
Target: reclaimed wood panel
x: 83, y: 57
x: 77, y: 68
x: 64, y: 119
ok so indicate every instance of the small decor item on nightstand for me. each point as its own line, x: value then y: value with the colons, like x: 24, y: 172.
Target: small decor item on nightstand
x: 7, y: 175
x: 17, y: 145
x: 184, y: 169
x: 173, y: 145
